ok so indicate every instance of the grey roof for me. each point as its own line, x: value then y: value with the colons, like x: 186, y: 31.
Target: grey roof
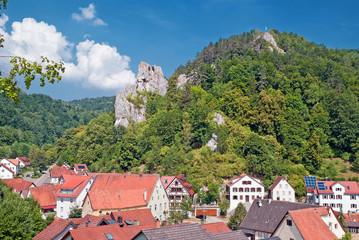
x: 235, y: 235
x: 266, y: 218
x: 177, y: 232
x: 352, y: 224
x: 272, y: 238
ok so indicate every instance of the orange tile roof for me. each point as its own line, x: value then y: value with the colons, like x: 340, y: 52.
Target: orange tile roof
x: 73, y: 182
x: 310, y: 225
x: 24, y: 160
x: 81, y: 167
x: 54, y: 229
x: 63, y: 170
x: 91, y: 221
x: 45, y: 195
x: 169, y: 180
x: 17, y: 184
x: 237, y: 178
x: 7, y: 168
x: 215, y: 228
x: 14, y: 161
x: 120, y: 199
x: 144, y: 216
x: 99, y: 232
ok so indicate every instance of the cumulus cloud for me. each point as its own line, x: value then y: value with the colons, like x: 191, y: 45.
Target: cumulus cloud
x: 97, y: 65
x: 3, y: 19
x: 100, y: 65
x: 88, y: 14
x: 32, y: 39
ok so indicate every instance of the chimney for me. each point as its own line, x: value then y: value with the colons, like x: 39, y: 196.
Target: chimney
x: 119, y: 219
x: 157, y: 224
x: 87, y: 222
x: 145, y: 195
x: 166, y: 223
x: 136, y: 222
x: 285, y: 177
x: 260, y: 203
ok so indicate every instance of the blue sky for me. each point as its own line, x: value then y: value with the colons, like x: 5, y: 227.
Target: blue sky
x: 102, y: 42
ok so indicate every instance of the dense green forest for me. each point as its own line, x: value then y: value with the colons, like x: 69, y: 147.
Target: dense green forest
x: 38, y: 120
x: 284, y: 113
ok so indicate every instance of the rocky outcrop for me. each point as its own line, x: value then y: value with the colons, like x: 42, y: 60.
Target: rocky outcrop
x: 269, y: 38
x: 218, y: 118
x: 212, y: 143
x: 149, y: 78
x: 182, y: 80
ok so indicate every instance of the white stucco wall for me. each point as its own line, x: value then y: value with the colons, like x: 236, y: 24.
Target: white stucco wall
x: 333, y: 224
x: 5, y: 173
x: 254, y: 184
x: 10, y: 165
x: 283, y: 191
x: 159, y: 202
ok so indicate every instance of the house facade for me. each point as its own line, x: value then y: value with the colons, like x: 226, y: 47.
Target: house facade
x: 177, y: 188
x: 115, y: 192
x: 243, y: 189
x: 339, y: 195
x: 6, y: 172
x: 12, y: 164
x: 72, y: 193
x: 281, y: 190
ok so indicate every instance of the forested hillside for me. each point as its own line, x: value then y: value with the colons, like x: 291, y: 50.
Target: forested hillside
x: 99, y: 104
x: 283, y: 113
x: 38, y: 119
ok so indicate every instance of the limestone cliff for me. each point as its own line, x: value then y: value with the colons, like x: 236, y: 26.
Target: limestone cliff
x: 149, y: 78
x: 270, y: 39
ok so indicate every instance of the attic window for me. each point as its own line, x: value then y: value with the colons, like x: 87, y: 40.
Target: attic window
x: 166, y: 181
x: 348, y: 187
x: 81, y: 167
x: 289, y: 222
x: 267, y: 221
x: 119, y: 196
x: 128, y: 222
x: 109, y: 236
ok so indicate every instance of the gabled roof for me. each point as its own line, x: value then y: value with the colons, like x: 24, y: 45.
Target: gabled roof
x: 76, y: 183
x: 238, y: 178
x: 54, y: 229
x: 45, y: 195
x: 277, y: 180
x: 238, y: 235
x: 352, y: 219
x: 120, y: 199
x: 266, y: 216
x: 144, y: 216
x: 17, y: 184
x: 63, y: 170
x: 24, y: 160
x: 2, y: 165
x: 99, y: 232
x: 215, y: 228
x: 167, y: 180
x: 14, y: 161
x: 89, y: 221
x: 81, y: 167
x: 176, y: 232
x: 310, y: 225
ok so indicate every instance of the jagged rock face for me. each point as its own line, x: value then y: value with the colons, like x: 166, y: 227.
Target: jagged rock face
x: 149, y: 78
x: 218, y: 118
x: 212, y: 143
x: 269, y: 38
x: 182, y: 80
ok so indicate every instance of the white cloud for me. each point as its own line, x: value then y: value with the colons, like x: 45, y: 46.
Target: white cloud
x: 88, y: 14
x: 101, y: 66
x: 98, y: 65
x: 3, y: 19
x: 32, y: 39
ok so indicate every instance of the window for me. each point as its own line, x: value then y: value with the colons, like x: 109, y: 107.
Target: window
x: 235, y: 197
x: 155, y: 207
x: 352, y: 197
x: 259, y: 189
x: 165, y: 206
x: 109, y: 236
x: 339, y: 196
x: 176, y: 183
x: 61, y: 209
x: 71, y: 200
x: 353, y: 205
x: 163, y: 196
x: 150, y: 207
x: 339, y: 205
x: 283, y: 192
x: 253, y: 189
x: 332, y: 205
x: 338, y: 189
x: 325, y: 204
x: 336, y: 226
x: 62, y: 200
x: 252, y: 197
x: 160, y: 206
x: 240, y: 189
x: 259, y: 234
x: 166, y: 181
x: 289, y: 192
x: 286, y: 186
x: 280, y: 185
x: 332, y: 196
x: 235, y: 189
x: 277, y: 192
x: 241, y: 197
x: 265, y: 235
x: 247, y: 189
x: 325, y: 196
x: 289, y: 222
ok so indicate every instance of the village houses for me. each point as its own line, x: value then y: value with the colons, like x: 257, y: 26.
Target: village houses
x: 281, y: 190
x: 177, y: 188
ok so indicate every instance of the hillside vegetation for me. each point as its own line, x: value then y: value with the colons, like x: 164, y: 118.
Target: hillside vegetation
x: 39, y: 121
x: 284, y: 112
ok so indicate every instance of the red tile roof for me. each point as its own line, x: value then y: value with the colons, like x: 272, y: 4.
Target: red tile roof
x: 17, y: 184
x: 73, y: 182
x: 24, y: 160
x: 81, y: 167
x: 14, y: 161
x: 7, y: 168
x: 310, y: 225
x: 277, y: 180
x: 166, y: 180
x: 90, y: 221
x: 45, y: 195
x: 144, y: 216
x: 215, y: 228
x: 237, y: 178
x: 99, y: 232
x: 63, y: 170
x: 120, y: 199
x: 351, y: 187
x: 54, y: 229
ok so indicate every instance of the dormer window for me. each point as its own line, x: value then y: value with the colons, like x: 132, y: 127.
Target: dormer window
x: 176, y: 183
